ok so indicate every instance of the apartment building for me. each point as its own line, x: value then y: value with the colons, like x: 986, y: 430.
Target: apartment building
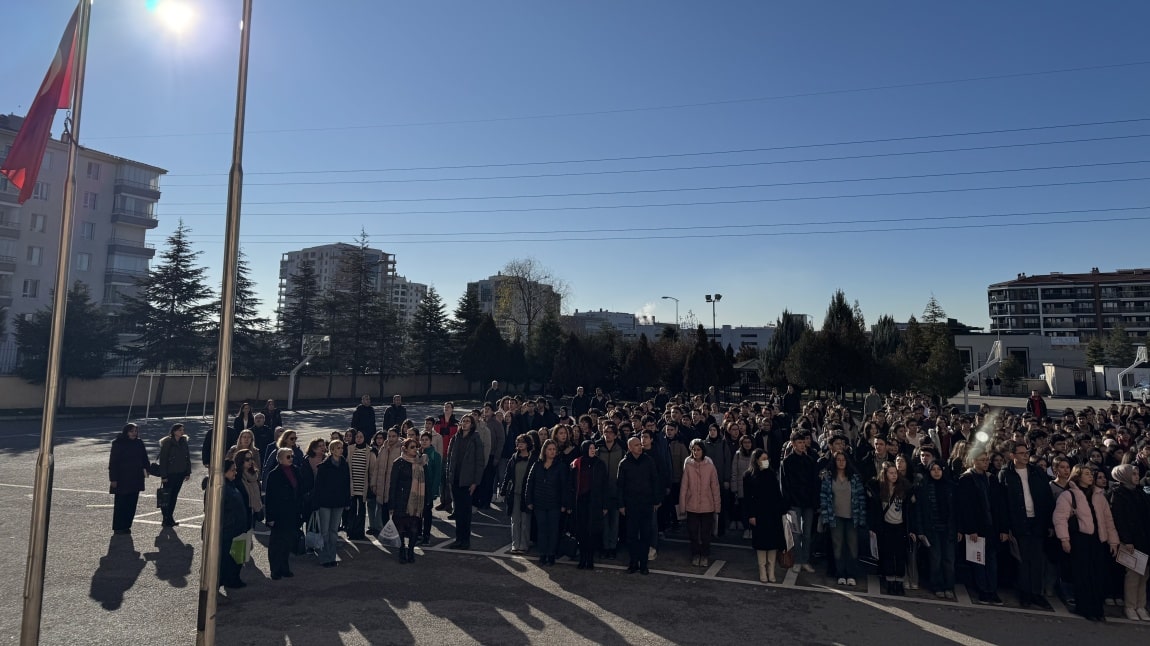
x: 116, y: 202
x: 1072, y: 307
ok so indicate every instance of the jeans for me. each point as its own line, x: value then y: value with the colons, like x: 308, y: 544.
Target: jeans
x: 463, y: 509
x: 375, y: 510
x: 124, y: 509
x: 520, y: 526
x: 941, y: 553
x: 547, y: 521
x: 803, y: 540
x: 640, y: 530
x: 611, y: 525
x: 845, y: 542
x: 329, y: 518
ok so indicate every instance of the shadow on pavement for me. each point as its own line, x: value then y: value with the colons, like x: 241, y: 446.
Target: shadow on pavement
x: 117, y: 572
x: 173, y: 558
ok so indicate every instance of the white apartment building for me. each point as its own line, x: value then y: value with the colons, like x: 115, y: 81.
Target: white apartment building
x: 406, y: 297
x: 326, y: 260
x: 115, y: 208
x: 499, y: 298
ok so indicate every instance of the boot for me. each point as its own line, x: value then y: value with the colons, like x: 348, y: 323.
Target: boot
x: 771, y: 565
x: 762, y: 557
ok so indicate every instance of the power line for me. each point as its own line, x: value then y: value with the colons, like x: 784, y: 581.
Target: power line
x: 685, y: 189
x: 699, y: 227
x: 689, y: 154
x: 676, y: 106
x: 701, y: 203
x: 779, y: 234
x: 661, y: 170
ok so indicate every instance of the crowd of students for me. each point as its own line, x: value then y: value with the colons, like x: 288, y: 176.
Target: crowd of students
x: 1043, y: 502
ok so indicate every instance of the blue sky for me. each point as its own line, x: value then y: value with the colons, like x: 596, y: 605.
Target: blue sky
x: 368, y: 85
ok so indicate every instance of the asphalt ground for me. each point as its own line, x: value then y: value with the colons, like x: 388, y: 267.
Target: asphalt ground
x: 104, y: 589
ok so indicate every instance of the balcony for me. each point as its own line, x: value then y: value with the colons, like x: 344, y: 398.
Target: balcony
x: 131, y: 247
x: 7, y: 264
x: 9, y: 196
x: 132, y: 187
x: 10, y: 230
x: 5, y: 298
x: 134, y: 217
x: 124, y: 276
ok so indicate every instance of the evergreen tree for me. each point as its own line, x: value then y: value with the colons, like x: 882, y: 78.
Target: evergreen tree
x: 302, y: 314
x: 542, y: 348
x: 466, y: 319
x: 809, y: 363
x: 943, y: 373
x: 669, y: 333
x: 172, y: 311
x: 571, y: 365
x: 388, y: 334
x: 1095, y: 352
x: 699, y: 372
x: 516, y: 370
x: 1120, y: 350
x: 248, y: 342
x: 789, y: 328
x: 885, y: 337
x: 1011, y: 371
x: 89, y: 341
x: 354, y: 303
x: 844, y: 339
x: 724, y: 364
x: 933, y: 313
x: 429, y: 337
x: 639, y: 367
x: 485, y: 355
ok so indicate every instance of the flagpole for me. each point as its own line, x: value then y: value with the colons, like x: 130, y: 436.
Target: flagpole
x: 209, y: 562
x: 42, y: 489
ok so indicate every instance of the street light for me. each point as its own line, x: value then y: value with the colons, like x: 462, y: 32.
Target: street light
x: 712, y: 299
x: 672, y: 298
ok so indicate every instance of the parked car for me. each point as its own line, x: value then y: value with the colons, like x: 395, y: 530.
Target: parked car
x: 1140, y: 392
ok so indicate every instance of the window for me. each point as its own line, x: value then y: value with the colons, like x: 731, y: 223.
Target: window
x: 37, y: 223
x: 41, y: 190
x: 93, y: 171
x: 90, y: 199
x: 88, y: 230
x: 31, y: 288
x: 83, y: 261
x: 35, y: 255
x: 47, y: 163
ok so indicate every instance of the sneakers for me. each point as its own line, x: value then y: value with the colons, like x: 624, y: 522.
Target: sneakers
x: 695, y: 560
x: 652, y: 553
x: 950, y: 595
x: 797, y: 568
x: 703, y: 562
x: 912, y: 585
x: 852, y: 583
x: 747, y: 534
x: 842, y: 581
x: 995, y: 601
x: 1143, y: 614
x: 1132, y: 614
x: 807, y: 567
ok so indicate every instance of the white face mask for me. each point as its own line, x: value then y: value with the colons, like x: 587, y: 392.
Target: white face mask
x: 763, y: 464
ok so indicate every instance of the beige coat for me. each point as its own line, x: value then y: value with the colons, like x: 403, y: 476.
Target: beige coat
x: 379, y: 470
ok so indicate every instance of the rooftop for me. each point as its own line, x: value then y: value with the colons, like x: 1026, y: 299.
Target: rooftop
x: 1093, y: 276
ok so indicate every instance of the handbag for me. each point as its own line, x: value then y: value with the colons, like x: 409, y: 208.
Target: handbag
x: 241, y: 548
x: 787, y: 559
x: 312, y: 539
x: 163, y: 497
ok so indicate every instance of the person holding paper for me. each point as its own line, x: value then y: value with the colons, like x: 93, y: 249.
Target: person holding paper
x: 1130, y: 506
x: 1024, y: 512
x: 1085, y: 528
x: 976, y: 523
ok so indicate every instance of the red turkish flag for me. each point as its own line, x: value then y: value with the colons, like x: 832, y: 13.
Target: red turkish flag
x: 23, y: 162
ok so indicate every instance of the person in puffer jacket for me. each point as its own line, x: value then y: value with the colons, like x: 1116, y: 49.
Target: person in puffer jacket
x: 700, y: 500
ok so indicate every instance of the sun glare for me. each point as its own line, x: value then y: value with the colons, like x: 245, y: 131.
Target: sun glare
x: 177, y: 16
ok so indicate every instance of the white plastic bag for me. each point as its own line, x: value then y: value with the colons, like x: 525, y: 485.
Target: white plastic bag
x: 389, y: 535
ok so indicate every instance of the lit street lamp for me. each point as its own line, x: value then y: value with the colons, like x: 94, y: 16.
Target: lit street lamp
x: 712, y: 299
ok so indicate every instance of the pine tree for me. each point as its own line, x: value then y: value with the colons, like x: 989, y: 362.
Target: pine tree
x: 933, y: 312
x: 639, y: 367
x: 428, y: 336
x: 387, y: 340
x: 789, y: 328
x: 1011, y: 371
x: 1095, y: 352
x: 516, y: 371
x: 943, y: 374
x: 466, y: 318
x: 172, y: 311
x: 885, y: 337
x: 1120, y: 351
x: 355, y: 297
x: 844, y: 339
x: 484, y: 357
x: 699, y: 372
x: 250, y: 328
x: 542, y: 348
x: 89, y: 341
x: 571, y: 365
x: 302, y: 313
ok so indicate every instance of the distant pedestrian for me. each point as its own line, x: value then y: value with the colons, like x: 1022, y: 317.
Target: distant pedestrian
x: 127, y: 470
x: 363, y: 419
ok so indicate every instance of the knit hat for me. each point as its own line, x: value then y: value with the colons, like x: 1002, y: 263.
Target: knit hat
x: 1126, y: 474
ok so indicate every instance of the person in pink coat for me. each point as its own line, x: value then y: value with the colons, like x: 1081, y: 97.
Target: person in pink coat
x: 1083, y: 524
x: 699, y: 500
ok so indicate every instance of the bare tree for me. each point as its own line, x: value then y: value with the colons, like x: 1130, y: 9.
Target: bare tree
x: 525, y: 293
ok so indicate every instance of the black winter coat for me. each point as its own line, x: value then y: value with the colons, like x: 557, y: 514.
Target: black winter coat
x: 332, y: 485
x: 1011, y: 505
x: 934, y: 508
x: 128, y: 464
x: 400, y: 486
x: 588, y: 507
x: 638, y: 481
x: 763, y: 501
x: 283, y: 503
x: 801, y: 484
x: 972, y: 505
x: 546, y: 486
x: 1131, y: 511
x: 235, y: 517
x: 363, y: 419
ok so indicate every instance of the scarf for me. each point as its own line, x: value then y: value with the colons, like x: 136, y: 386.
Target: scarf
x: 415, y: 498
x: 252, y: 485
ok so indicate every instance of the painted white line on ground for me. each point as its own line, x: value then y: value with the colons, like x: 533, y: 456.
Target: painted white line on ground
x: 150, y: 513
x: 160, y: 522
x: 790, y: 577
x: 731, y: 545
x: 184, y: 520
x: 873, y: 585
x: 713, y: 571
x: 932, y: 628
x: 962, y: 595
x: 99, y: 506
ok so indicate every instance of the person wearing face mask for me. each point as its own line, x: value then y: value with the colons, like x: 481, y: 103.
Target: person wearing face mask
x: 764, y: 507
